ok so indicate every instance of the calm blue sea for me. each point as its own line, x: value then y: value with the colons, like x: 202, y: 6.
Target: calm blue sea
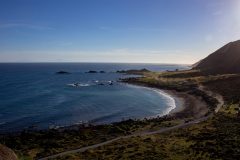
x: 31, y: 94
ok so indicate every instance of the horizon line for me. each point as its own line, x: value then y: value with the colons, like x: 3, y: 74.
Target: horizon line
x: 102, y: 62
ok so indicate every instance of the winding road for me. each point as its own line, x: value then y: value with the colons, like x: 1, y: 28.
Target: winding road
x: 145, y: 133
x: 213, y: 94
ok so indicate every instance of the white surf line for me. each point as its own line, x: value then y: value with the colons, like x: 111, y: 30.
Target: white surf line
x: 170, y: 99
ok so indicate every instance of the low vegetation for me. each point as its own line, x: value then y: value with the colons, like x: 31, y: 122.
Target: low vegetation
x: 33, y: 144
x: 216, y: 138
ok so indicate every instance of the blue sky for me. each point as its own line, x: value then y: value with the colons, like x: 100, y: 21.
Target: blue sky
x: 149, y: 31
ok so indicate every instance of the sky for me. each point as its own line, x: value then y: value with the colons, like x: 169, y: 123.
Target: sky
x: 135, y: 31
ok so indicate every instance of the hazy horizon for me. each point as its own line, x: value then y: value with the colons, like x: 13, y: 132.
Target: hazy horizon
x: 106, y: 31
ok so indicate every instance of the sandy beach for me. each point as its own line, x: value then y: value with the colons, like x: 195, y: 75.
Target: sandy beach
x: 186, y: 105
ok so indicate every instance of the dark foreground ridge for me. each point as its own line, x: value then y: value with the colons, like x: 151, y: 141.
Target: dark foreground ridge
x: 7, y: 154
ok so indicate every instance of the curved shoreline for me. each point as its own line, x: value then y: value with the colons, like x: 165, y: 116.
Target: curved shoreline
x: 186, y: 105
x: 183, y: 102
x: 172, y: 99
x: 177, y: 102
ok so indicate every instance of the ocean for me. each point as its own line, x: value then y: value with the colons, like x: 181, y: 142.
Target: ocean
x: 33, y: 95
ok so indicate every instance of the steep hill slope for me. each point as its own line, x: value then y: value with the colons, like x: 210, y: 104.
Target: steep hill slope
x: 224, y: 60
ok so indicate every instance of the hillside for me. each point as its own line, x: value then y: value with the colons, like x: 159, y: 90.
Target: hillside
x: 224, y: 60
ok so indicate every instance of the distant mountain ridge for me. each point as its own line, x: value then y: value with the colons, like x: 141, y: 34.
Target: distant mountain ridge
x: 224, y: 60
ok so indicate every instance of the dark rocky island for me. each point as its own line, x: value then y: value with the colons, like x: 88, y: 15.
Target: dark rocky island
x: 91, y: 71
x: 63, y: 72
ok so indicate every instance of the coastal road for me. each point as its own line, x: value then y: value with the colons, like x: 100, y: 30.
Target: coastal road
x: 213, y: 94
x: 146, y: 133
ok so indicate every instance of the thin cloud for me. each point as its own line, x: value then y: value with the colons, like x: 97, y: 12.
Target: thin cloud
x: 215, y: 4
x: 149, y: 29
x: 24, y: 25
x: 117, y: 55
x: 146, y: 51
x: 138, y: 29
x: 217, y: 13
x: 208, y: 38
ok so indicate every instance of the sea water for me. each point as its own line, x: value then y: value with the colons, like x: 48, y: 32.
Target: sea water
x: 32, y: 94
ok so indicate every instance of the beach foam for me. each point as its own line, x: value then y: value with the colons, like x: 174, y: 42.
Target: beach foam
x: 78, y: 84
x: 171, y: 102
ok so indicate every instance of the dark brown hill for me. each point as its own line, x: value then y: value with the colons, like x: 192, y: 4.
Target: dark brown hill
x: 224, y: 60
